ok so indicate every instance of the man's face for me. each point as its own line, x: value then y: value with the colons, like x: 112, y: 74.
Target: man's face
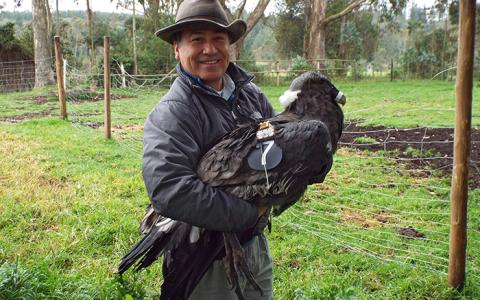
x: 204, y: 53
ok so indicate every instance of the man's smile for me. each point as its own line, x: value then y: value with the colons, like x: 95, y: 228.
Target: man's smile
x: 210, y: 62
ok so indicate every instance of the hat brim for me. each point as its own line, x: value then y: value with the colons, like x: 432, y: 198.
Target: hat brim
x: 235, y: 30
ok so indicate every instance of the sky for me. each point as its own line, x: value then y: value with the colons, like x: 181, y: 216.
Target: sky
x: 108, y: 6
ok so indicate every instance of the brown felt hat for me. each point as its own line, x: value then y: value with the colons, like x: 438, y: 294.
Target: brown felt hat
x: 195, y: 14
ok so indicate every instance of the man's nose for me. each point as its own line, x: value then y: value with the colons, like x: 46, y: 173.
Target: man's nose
x: 209, y: 48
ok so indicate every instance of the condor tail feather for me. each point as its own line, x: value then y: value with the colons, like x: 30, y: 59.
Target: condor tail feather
x: 163, y: 236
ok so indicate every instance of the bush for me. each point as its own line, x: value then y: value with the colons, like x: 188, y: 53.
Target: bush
x: 299, y: 65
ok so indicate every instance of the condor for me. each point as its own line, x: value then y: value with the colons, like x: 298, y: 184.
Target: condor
x: 270, y: 163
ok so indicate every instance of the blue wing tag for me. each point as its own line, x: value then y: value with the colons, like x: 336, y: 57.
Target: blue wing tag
x: 272, y: 156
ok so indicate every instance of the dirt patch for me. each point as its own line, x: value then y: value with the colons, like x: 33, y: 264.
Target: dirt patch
x: 78, y: 97
x: 411, y: 233
x: 40, y: 99
x: 363, y: 220
x: 26, y: 116
x: 93, y: 125
x: 427, y: 149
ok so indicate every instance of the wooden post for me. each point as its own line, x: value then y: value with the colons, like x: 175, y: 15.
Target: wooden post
x: 355, y: 71
x: 107, y: 85
x: 278, y: 72
x: 60, y: 82
x: 463, y: 116
x: 65, y: 73
x: 122, y: 69
x: 391, y: 69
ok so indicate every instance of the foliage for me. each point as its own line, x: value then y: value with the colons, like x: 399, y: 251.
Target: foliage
x: 7, y: 36
x: 289, y: 28
x: 11, y: 40
x: 17, y: 282
x: 261, y: 41
x: 430, y: 49
x: 299, y: 65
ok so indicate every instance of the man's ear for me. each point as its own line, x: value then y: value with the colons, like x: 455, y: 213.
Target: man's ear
x: 176, y: 49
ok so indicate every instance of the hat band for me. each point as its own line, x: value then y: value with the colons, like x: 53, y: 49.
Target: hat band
x: 203, y: 18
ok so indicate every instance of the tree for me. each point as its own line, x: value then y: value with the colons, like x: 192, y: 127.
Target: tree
x: 134, y: 37
x: 251, y: 21
x: 43, y: 45
x: 93, y: 63
x: 289, y: 28
x: 318, y: 21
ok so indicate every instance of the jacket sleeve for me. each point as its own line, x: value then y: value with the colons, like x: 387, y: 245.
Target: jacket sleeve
x: 171, y: 154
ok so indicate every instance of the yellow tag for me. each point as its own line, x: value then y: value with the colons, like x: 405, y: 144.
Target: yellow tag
x: 264, y: 125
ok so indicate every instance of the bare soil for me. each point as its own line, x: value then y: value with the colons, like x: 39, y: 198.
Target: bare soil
x: 96, y: 97
x: 424, y: 148
x: 25, y: 116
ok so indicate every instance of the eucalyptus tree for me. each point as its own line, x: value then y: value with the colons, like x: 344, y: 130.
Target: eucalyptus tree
x: 252, y: 20
x: 42, y: 43
x: 318, y: 20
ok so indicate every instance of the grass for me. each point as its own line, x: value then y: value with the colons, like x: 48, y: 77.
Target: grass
x: 402, y: 104
x: 70, y: 203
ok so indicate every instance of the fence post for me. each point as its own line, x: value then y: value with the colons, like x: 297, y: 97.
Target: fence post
x: 107, y: 85
x: 65, y: 73
x: 391, y: 69
x: 355, y: 70
x: 278, y: 72
x: 463, y: 116
x: 60, y: 83
x: 122, y: 69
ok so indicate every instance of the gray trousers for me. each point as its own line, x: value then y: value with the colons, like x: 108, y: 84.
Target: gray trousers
x: 214, y: 284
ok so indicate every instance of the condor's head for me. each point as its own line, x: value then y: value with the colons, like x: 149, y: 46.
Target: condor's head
x: 312, y: 96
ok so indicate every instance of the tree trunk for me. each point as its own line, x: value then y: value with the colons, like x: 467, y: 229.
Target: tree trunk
x: 445, y: 43
x: 49, y: 21
x: 236, y: 49
x: 306, y: 36
x: 316, y: 36
x: 134, y: 42
x: 153, y: 12
x: 318, y: 24
x: 57, y: 16
x: 93, y: 61
x: 343, y: 48
x: 42, y: 45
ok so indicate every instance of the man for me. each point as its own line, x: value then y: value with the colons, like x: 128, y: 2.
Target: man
x: 210, y: 97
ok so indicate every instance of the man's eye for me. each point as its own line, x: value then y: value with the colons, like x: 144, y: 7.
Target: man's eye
x: 196, y: 39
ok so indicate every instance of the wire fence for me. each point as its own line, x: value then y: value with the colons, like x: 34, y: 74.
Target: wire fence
x: 387, y: 197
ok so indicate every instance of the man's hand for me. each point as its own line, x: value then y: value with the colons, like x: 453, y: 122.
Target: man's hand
x: 262, y: 220
x: 262, y: 210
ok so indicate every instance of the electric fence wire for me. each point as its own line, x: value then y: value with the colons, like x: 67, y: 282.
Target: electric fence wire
x: 355, y: 211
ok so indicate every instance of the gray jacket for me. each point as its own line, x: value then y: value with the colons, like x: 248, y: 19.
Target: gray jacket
x: 185, y: 124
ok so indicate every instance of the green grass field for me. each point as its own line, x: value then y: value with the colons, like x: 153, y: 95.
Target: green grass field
x: 71, y: 201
